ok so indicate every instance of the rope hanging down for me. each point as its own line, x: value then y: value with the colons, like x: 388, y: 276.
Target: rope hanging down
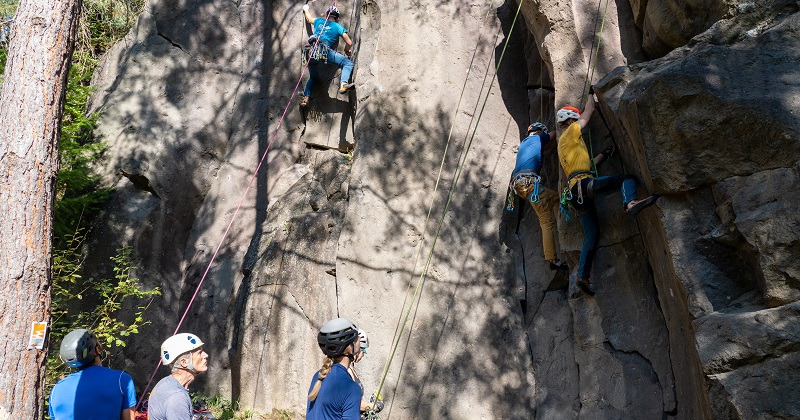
x: 439, y: 175
x: 233, y: 217
x: 447, y: 205
x: 594, y: 51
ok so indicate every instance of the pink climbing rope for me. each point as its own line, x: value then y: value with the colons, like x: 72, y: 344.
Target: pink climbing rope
x: 238, y: 207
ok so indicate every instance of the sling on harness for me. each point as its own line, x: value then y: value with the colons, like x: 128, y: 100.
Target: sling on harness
x: 314, y: 51
x: 526, y: 184
x: 566, y: 195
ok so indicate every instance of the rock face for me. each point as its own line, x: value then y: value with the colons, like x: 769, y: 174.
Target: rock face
x: 696, y: 300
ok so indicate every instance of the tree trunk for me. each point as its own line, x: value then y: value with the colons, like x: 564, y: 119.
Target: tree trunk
x: 31, y: 105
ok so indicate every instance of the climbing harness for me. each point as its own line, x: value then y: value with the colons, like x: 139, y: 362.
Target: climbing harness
x: 526, y: 184
x: 396, y: 342
x: 565, y: 203
x: 230, y: 223
x: 314, y: 52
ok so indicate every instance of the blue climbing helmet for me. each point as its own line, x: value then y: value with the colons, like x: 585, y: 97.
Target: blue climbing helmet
x: 333, y: 11
x: 537, y: 126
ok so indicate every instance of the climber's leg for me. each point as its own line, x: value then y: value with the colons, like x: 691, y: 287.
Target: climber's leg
x: 547, y: 221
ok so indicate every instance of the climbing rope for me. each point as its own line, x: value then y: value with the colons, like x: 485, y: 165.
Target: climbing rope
x: 233, y: 218
x: 447, y: 205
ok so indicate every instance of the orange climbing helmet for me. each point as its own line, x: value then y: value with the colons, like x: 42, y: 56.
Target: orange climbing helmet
x: 566, y: 113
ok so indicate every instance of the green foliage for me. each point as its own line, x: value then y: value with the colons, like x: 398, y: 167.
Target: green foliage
x: 221, y: 407
x: 78, y: 195
x: 79, y: 302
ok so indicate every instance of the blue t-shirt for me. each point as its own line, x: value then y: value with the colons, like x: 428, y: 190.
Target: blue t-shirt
x: 169, y: 401
x: 339, y: 397
x: 529, y: 156
x: 330, y: 33
x: 95, y: 392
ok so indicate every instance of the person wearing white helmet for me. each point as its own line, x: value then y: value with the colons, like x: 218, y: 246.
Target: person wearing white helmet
x: 327, y: 31
x: 526, y: 183
x: 94, y: 391
x: 584, y: 186
x: 183, y: 354
x: 333, y: 394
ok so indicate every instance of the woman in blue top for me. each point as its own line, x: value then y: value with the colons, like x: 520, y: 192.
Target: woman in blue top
x: 333, y: 394
x: 328, y: 30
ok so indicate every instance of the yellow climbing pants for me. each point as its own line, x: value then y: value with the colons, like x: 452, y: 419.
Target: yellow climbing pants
x: 548, y: 200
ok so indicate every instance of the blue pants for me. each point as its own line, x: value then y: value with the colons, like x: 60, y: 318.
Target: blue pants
x: 588, y: 213
x: 334, y: 57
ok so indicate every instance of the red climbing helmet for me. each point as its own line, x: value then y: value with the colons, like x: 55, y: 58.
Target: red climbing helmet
x: 566, y: 113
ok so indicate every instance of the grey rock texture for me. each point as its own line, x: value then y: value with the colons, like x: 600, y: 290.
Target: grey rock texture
x: 696, y: 305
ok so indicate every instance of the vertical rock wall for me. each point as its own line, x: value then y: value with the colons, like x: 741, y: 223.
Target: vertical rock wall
x: 695, y: 297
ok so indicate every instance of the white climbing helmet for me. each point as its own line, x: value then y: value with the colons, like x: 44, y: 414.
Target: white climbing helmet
x: 178, y: 344
x: 363, y: 340
x: 566, y: 113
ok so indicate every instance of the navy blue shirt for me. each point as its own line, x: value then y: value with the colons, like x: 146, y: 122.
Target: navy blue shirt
x: 529, y: 156
x: 339, y: 397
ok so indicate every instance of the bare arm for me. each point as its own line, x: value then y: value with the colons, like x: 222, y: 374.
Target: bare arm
x: 307, y: 14
x: 128, y: 414
x: 348, y: 42
x: 588, y: 110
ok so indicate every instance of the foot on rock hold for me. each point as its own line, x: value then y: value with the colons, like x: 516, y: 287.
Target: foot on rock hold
x: 345, y: 87
x: 636, y: 206
x: 585, y: 286
x: 558, y: 265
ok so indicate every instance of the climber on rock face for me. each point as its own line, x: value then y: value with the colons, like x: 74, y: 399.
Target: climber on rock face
x: 526, y: 183
x: 584, y: 187
x: 328, y: 31
x: 333, y: 394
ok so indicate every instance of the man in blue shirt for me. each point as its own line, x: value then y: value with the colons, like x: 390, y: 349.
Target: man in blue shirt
x: 328, y: 30
x: 526, y: 183
x: 94, y: 391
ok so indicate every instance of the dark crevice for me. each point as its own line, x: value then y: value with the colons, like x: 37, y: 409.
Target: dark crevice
x: 170, y: 41
x: 141, y: 182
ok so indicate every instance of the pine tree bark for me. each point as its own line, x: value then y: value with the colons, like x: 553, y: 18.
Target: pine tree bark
x: 31, y: 105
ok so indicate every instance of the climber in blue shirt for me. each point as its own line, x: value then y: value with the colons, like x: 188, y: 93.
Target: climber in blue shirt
x: 526, y: 183
x: 328, y: 30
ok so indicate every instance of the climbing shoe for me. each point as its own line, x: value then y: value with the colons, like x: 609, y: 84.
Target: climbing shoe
x: 558, y: 265
x: 304, y: 101
x: 346, y: 87
x: 639, y: 205
x: 584, y: 286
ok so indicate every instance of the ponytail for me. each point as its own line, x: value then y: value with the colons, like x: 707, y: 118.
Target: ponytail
x: 327, y: 364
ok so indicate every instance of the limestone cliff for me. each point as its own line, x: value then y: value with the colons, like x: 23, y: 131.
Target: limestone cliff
x: 697, y: 297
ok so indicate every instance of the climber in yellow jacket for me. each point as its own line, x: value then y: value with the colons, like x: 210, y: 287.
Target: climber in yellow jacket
x: 584, y: 186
